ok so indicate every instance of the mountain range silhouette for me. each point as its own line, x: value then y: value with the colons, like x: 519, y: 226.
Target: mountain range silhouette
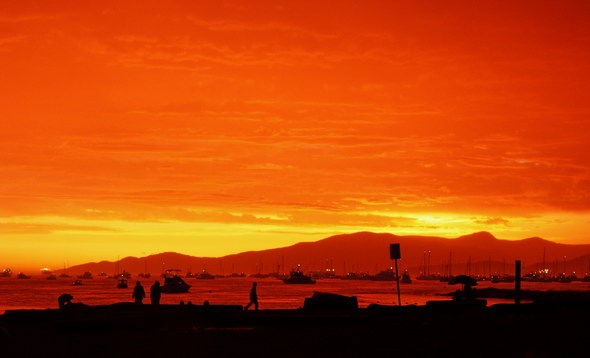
x: 369, y: 252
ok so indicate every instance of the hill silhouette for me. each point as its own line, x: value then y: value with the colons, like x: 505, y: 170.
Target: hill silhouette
x: 369, y: 252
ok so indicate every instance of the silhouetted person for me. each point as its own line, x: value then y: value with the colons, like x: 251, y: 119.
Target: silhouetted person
x: 253, y: 298
x: 138, y: 293
x: 64, y: 300
x: 155, y: 293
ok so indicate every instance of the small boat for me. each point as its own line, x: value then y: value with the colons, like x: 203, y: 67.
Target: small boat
x: 406, y: 278
x: 22, y: 276
x: 173, y: 283
x: 65, y: 275
x: 77, y: 283
x: 355, y: 276
x: 235, y: 274
x: 51, y: 277
x: 6, y: 273
x: 298, y: 278
x: 122, y: 283
x: 86, y: 275
x: 204, y: 276
x: 46, y: 271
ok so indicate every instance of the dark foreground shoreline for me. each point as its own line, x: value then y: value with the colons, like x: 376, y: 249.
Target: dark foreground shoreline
x: 449, y: 329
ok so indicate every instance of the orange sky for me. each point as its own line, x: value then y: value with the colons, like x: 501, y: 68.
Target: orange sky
x: 213, y: 127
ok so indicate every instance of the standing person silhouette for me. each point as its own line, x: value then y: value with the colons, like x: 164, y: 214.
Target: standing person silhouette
x: 253, y: 298
x: 138, y: 293
x: 155, y: 293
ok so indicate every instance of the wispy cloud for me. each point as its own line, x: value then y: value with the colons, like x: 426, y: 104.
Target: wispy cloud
x: 28, y: 228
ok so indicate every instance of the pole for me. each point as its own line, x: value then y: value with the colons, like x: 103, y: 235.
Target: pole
x: 517, y: 283
x: 399, y: 300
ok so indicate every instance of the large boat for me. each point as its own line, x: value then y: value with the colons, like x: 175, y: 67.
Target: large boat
x: 22, y: 276
x: 51, y: 277
x: 173, y: 283
x: 297, y: 277
x: 386, y: 275
x: 6, y: 273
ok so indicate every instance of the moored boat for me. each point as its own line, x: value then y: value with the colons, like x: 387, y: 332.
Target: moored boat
x: 297, y: 277
x: 406, y: 278
x: 204, y: 275
x: 86, y: 275
x: 386, y: 275
x: 173, y: 283
x: 122, y: 283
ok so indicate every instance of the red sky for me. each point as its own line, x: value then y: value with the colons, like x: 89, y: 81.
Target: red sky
x: 213, y: 127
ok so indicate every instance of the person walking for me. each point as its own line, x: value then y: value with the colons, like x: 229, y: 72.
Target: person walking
x: 253, y: 298
x: 155, y: 293
x: 138, y: 293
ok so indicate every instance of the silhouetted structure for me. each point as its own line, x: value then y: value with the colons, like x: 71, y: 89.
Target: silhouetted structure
x: 155, y: 293
x: 64, y: 300
x: 253, y: 298
x: 138, y: 293
x: 322, y: 301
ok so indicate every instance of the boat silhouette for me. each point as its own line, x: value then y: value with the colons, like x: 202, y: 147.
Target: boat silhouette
x: 122, y: 282
x: 204, y: 275
x: 173, y: 283
x: 86, y: 275
x: 406, y: 278
x: 386, y: 275
x: 296, y: 277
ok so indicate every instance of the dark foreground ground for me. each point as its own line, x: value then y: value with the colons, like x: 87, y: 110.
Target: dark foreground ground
x: 550, y: 329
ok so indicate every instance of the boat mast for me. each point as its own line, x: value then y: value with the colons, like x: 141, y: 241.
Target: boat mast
x: 543, y: 261
x: 450, y: 263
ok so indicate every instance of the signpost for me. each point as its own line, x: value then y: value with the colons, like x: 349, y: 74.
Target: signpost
x: 395, y: 254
